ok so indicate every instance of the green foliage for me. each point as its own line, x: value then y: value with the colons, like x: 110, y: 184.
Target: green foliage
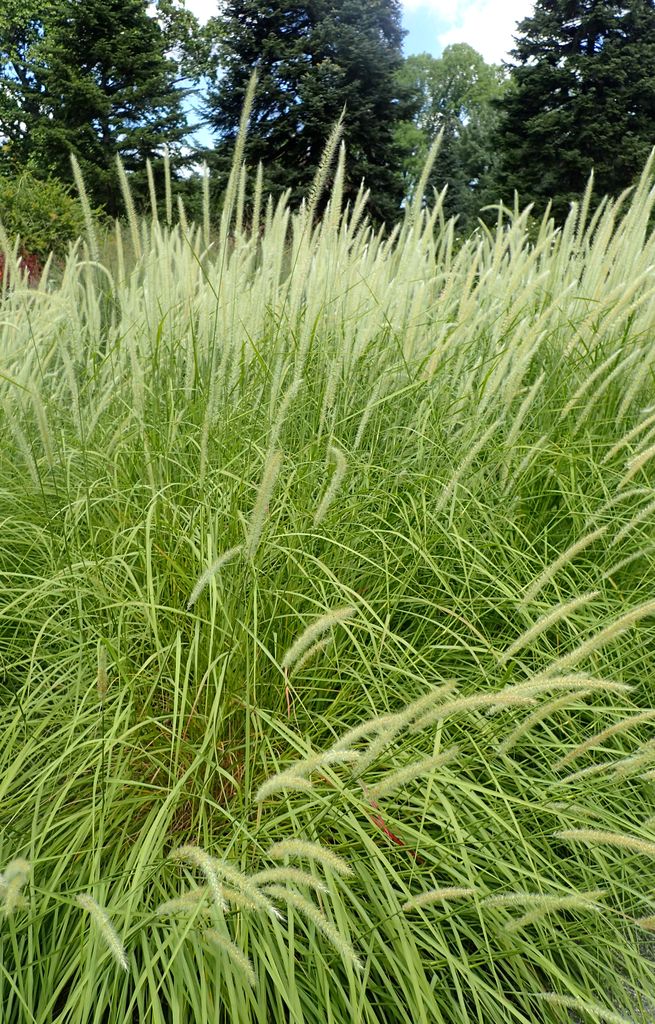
x: 584, y: 97
x: 44, y: 213
x: 93, y: 79
x: 313, y: 59
x: 456, y: 94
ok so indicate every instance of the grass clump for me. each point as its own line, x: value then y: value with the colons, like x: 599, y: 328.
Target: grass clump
x: 326, y: 622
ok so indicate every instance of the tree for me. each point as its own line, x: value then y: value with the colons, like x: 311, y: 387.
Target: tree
x: 313, y: 58
x: 89, y: 77
x: 584, y: 98
x: 22, y: 29
x: 457, y: 95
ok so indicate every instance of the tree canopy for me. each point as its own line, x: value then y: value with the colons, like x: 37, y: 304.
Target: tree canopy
x: 457, y: 94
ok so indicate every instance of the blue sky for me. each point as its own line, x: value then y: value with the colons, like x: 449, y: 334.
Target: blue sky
x: 487, y: 25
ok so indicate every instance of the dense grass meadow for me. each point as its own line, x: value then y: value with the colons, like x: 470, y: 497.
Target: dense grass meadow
x: 327, y: 647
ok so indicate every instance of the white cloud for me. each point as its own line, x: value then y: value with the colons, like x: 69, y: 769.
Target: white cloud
x: 447, y: 9
x: 203, y: 9
x: 488, y: 26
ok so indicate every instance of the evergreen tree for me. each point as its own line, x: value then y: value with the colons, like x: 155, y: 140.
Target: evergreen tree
x: 584, y: 97
x: 313, y: 58
x: 90, y: 77
x: 456, y: 95
x: 22, y: 29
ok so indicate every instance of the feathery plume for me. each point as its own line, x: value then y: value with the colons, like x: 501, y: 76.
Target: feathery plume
x: 285, y: 404
x: 152, y: 192
x: 547, y: 904
x: 626, y: 561
x: 646, y: 922
x: 586, y: 1007
x: 621, y: 768
x: 313, y: 632
x: 323, y: 169
x: 244, y: 885
x: 563, y: 559
x: 280, y: 783
x: 260, y: 508
x: 318, y: 919
x: 618, y: 839
x: 206, y: 213
x: 561, y: 611
x: 199, y: 858
x: 411, y: 772
x: 636, y: 463
x: 627, y: 438
x: 106, y: 928
x: 378, y: 746
x: 639, y: 517
x: 209, y: 573
x: 600, y: 737
x: 273, y: 876
x: 307, y: 850
x: 364, y: 729
x: 435, y: 695
x: 598, y: 640
x: 87, y: 213
x: 168, y: 191
x: 189, y: 901
x: 296, y: 777
x: 340, y: 467
x: 309, y: 654
x: 425, y: 899
x: 12, y: 880
x: 499, y: 699
x: 587, y: 382
x: 576, y: 681
x: 236, y: 955
x: 130, y: 209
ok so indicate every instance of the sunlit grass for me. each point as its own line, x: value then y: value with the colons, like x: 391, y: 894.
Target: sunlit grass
x: 326, y: 624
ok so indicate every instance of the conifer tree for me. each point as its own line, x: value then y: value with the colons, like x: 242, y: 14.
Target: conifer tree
x: 91, y: 77
x: 313, y: 59
x: 584, y: 97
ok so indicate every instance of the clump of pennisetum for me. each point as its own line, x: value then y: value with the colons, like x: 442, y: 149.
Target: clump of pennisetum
x: 442, y: 702
x: 378, y: 733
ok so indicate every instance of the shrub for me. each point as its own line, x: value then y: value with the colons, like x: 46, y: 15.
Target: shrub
x: 43, y: 212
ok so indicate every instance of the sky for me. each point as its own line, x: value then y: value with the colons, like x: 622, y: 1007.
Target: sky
x: 487, y: 25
